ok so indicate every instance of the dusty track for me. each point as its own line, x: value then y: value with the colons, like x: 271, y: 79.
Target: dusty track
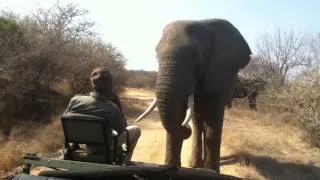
x: 255, y: 145
x: 150, y: 147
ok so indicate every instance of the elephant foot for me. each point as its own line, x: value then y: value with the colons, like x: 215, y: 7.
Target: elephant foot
x: 173, y: 150
x: 213, y: 166
x: 172, y: 164
x: 196, y: 163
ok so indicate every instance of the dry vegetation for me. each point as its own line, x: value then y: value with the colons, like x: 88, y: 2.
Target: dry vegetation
x: 141, y: 79
x: 256, y: 145
x: 45, y: 58
x: 30, y: 138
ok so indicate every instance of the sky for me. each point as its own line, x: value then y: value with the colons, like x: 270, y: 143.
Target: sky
x: 135, y: 26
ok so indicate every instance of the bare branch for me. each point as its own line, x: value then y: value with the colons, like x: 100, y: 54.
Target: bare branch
x: 285, y: 49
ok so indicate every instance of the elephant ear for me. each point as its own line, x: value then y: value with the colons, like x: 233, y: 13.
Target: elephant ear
x: 229, y: 53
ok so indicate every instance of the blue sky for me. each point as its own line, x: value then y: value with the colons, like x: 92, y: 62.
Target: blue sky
x: 135, y: 27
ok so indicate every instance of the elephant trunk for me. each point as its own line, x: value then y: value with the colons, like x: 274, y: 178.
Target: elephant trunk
x: 173, y: 86
x: 172, y: 99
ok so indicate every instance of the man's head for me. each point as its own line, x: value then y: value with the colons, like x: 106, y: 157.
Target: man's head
x: 101, y: 81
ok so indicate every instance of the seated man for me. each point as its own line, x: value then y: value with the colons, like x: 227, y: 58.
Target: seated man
x: 115, y: 99
x: 102, y: 102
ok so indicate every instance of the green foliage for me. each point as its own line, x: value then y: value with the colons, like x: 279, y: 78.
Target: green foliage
x: 8, y: 25
x: 141, y: 79
x: 11, y: 36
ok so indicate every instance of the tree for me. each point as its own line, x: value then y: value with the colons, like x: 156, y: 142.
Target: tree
x: 288, y: 55
x: 314, y: 44
x: 282, y: 52
x: 45, y: 58
x: 257, y: 68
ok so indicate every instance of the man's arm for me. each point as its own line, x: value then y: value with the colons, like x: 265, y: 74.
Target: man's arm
x: 118, y: 121
x: 115, y: 99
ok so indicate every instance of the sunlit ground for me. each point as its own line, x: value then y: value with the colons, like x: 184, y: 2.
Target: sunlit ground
x: 255, y: 145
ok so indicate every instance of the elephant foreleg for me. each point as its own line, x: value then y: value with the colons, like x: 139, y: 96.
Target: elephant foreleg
x: 229, y: 105
x: 214, y: 114
x: 173, y: 150
x: 252, y: 102
x: 175, y: 133
x: 196, y: 160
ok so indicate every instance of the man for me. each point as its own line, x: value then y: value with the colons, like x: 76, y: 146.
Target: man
x: 102, y: 102
x: 115, y: 99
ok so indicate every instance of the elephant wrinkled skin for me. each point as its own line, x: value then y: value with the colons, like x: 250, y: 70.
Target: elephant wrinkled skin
x: 248, y: 88
x: 200, y: 60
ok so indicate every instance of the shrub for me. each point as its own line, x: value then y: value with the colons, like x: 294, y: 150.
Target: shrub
x: 141, y: 79
x: 46, y: 57
x: 301, y: 99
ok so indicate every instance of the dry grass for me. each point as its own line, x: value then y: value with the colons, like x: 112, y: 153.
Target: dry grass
x: 255, y: 145
x: 30, y: 137
x: 265, y: 147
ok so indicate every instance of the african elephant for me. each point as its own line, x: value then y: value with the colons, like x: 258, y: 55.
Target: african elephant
x: 248, y: 88
x: 198, y: 63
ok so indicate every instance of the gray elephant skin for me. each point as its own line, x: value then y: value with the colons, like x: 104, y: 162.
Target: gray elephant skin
x: 248, y: 88
x: 198, y: 63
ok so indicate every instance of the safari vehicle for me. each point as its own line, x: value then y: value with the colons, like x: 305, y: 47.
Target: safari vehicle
x: 75, y: 164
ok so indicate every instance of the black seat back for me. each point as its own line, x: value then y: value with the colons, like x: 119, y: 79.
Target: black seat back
x: 84, y: 129
x: 91, y: 130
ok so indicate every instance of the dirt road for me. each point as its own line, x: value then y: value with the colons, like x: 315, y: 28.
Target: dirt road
x: 151, y: 145
x: 254, y: 145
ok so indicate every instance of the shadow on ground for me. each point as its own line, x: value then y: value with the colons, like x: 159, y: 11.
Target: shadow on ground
x: 271, y: 168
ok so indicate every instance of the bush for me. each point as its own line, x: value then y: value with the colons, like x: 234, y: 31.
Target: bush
x: 141, y: 79
x: 301, y: 99
x: 10, y: 35
x: 47, y: 57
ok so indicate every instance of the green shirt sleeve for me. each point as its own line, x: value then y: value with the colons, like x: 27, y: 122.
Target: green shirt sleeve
x: 92, y: 106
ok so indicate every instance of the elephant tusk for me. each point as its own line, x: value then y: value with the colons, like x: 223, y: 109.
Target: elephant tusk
x: 150, y: 108
x: 189, y: 113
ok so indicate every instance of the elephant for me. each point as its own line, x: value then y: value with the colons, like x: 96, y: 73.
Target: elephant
x: 248, y: 88
x: 198, y: 62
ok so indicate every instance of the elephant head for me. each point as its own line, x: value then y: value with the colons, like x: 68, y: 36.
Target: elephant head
x: 195, y: 58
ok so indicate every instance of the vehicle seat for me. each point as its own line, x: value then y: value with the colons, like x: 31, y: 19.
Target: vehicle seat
x: 81, y: 131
